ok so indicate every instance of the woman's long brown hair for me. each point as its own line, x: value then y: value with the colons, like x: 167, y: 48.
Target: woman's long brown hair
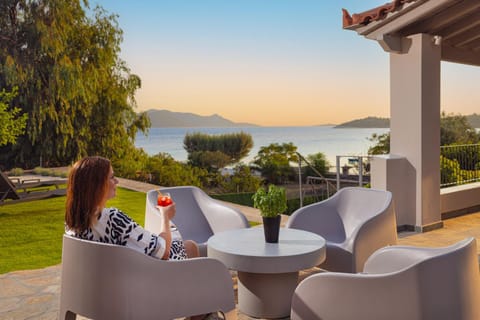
x: 86, y: 191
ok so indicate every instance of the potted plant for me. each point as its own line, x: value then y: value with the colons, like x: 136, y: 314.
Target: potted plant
x: 271, y: 203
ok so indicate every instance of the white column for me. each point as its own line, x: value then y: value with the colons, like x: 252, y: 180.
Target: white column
x: 415, y: 123
x: 395, y: 174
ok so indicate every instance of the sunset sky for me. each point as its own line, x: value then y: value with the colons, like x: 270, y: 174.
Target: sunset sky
x: 268, y: 62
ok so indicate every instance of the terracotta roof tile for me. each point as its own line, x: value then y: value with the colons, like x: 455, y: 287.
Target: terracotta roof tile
x: 374, y: 14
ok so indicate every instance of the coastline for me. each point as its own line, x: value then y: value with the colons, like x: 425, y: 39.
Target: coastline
x: 308, y: 140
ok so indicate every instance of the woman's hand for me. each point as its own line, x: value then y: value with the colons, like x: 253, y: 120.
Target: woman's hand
x: 168, y: 211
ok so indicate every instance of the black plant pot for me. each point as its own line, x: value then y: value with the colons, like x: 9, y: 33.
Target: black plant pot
x: 271, y: 228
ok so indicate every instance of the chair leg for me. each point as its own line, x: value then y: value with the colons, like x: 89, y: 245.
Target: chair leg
x: 70, y: 315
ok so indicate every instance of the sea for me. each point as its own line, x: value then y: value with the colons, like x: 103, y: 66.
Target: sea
x: 329, y: 140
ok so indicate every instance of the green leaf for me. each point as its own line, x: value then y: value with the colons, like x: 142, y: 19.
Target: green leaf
x: 272, y: 202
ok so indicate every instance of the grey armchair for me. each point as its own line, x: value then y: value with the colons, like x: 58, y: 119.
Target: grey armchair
x: 354, y: 221
x: 398, y: 282
x: 106, y: 281
x: 198, y: 216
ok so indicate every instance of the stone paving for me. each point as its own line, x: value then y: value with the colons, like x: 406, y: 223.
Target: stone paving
x: 34, y: 294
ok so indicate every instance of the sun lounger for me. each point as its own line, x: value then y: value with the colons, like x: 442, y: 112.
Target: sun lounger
x: 9, y: 190
x: 25, y: 184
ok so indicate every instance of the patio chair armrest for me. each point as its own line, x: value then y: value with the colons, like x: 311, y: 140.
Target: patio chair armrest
x: 356, y: 296
x: 222, y: 217
x: 396, y: 258
x: 379, y: 231
x: 391, y: 259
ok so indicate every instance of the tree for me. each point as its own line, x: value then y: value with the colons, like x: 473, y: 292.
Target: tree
x: 273, y: 161
x: 213, y: 152
x: 12, y: 124
x: 242, y: 180
x: 78, y: 93
x: 319, y: 162
x: 382, y: 143
x: 454, y: 129
x: 166, y: 171
x: 210, y: 160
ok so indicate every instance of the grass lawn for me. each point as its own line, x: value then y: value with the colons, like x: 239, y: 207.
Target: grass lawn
x: 31, y: 232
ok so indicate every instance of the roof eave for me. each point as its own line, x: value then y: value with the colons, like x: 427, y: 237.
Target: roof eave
x: 455, y: 55
x: 395, y: 21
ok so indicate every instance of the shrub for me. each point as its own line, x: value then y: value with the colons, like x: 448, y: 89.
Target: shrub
x: 294, y: 204
x: 16, y: 172
x: 213, y: 152
x: 244, y: 199
x: 163, y: 170
x: 43, y: 171
x: 241, y: 180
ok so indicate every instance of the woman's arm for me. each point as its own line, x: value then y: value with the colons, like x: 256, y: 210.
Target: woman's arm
x: 166, y: 214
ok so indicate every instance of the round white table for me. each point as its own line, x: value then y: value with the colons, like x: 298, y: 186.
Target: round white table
x: 267, y: 272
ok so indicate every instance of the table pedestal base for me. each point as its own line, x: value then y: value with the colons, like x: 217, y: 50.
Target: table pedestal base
x: 266, y: 295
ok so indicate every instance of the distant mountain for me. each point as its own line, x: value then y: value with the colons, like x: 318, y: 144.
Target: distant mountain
x: 369, y: 122
x: 170, y: 119
x: 374, y: 122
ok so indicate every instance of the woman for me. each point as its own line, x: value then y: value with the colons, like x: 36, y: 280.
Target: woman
x: 91, y: 183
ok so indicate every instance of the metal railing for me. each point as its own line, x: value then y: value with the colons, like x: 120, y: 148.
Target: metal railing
x: 361, y: 164
x: 459, y: 164
x: 319, y: 186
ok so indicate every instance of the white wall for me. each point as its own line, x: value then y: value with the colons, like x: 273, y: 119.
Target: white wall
x: 460, y: 199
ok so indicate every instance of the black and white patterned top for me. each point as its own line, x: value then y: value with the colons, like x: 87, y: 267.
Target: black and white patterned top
x: 115, y: 227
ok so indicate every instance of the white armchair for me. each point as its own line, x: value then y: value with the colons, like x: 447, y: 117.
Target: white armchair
x: 198, y: 216
x: 354, y: 221
x: 106, y: 281
x: 398, y: 282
